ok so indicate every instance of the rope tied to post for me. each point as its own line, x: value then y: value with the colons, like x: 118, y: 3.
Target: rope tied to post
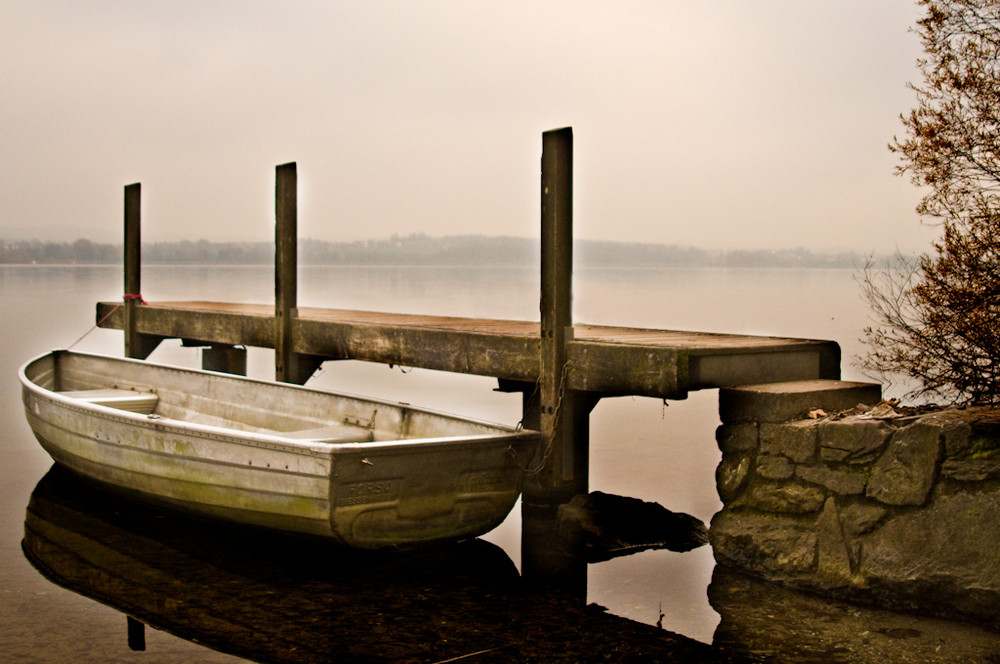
x: 549, y: 440
x: 125, y: 298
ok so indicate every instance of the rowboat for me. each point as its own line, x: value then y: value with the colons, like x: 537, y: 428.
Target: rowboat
x: 364, y: 472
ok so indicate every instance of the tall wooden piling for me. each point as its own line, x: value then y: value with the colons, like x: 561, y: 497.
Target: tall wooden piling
x: 563, y: 412
x: 133, y: 286
x: 560, y: 413
x: 285, y: 269
x: 137, y: 345
x: 289, y: 366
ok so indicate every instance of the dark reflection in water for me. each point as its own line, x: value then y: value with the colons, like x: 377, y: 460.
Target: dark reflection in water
x: 780, y: 625
x: 272, y: 598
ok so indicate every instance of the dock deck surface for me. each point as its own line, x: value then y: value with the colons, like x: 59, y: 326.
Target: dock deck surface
x: 611, y: 361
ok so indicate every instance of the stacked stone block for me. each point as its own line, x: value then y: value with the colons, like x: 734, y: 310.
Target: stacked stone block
x: 898, y: 511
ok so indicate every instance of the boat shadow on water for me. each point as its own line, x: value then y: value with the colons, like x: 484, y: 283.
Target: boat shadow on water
x: 272, y: 597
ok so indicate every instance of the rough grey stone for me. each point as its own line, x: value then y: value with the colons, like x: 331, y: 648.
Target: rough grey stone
x: 833, y: 562
x: 772, y: 546
x: 957, y: 438
x: 844, y: 481
x: 971, y: 441
x: 785, y: 497
x: 735, y: 438
x: 774, y: 467
x: 944, y: 555
x: 905, y: 473
x: 795, y: 440
x: 972, y: 469
x: 859, y: 518
x: 782, y: 402
x: 826, y: 529
x: 852, y: 440
x: 731, y: 476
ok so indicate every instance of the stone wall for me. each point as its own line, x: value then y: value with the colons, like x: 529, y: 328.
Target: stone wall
x: 826, y: 493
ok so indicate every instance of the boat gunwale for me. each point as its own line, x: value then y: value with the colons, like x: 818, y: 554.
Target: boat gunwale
x: 255, y: 439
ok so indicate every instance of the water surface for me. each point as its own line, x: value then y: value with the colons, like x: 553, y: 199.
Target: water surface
x: 640, y: 447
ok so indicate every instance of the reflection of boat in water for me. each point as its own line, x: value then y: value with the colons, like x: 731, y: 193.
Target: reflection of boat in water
x: 274, y: 598
x: 249, y: 593
x: 366, y: 473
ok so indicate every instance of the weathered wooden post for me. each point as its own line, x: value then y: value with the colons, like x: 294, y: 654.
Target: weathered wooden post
x: 137, y: 345
x: 285, y: 268
x: 562, y: 414
x: 289, y: 366
x: 133, y: 267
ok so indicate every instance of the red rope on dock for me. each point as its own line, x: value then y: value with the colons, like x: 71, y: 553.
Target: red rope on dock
x: 125, y: 298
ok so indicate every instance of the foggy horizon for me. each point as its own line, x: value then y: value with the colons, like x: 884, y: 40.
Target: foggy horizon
x: 430, y: 250
x: 727, y: 126
x: 112, y: 236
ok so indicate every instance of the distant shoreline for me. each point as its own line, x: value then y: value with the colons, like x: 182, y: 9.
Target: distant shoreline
x: 422, y: 250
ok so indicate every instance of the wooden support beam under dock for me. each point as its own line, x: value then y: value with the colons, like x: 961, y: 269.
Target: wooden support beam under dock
x: 607, y: 361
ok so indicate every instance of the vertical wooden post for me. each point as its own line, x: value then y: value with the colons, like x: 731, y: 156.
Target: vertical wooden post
x: 137, y: 345
x: 561, y: 414
x: 285, y: 269
x: 133, y: 268
x: 133, y: 240
x: 289, y: 366
x: 564, y: 413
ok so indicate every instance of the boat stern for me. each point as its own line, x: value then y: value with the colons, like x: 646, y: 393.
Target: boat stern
x: 423, y: 491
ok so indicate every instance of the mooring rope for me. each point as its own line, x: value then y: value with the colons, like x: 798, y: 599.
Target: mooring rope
x: 125, y: 298
x: 549, y: 439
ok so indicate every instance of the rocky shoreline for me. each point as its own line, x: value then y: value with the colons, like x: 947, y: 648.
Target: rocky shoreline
x: 895, y: 509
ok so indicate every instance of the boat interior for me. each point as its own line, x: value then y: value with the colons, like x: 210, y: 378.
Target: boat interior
x: 241, y: 404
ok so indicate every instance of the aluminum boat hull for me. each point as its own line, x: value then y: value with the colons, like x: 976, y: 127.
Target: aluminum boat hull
x: 364, y: 472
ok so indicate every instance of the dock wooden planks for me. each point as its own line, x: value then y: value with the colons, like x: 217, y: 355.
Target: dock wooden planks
x: 608, y: 361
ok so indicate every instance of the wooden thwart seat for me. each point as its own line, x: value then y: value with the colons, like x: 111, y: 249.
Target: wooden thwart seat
x: 143, y: 403
x: 337, y: 433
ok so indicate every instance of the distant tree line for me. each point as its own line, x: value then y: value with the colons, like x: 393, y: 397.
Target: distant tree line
x: 622, y: 254
x: 81, y: 251
x: 420, y: 249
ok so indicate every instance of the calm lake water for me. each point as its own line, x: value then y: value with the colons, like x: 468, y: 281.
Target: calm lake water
x: 641, y: 448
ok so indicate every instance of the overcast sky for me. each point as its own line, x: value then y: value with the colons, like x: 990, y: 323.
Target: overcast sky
x: 720, y: 124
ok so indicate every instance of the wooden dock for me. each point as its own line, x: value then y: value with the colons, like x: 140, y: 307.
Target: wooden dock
x: 561, y: 368
x: 605, y: 361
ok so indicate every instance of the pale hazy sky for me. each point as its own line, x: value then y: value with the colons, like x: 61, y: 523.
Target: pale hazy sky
x: 719, y: 123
